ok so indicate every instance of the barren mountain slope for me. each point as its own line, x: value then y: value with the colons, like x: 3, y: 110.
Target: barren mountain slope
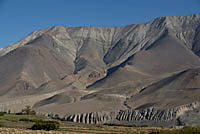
x: 91, y: 73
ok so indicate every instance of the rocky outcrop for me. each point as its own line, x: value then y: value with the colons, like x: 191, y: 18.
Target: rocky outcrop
x: 131, y: 115
x: 155, y: 114
x: 91, y: 118
x: 94, y: 74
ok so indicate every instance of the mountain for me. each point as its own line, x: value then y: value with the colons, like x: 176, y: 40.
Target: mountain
x: 145, y: 74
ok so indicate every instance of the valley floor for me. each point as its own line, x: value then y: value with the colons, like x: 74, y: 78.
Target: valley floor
x: 21, y: 124
x: 78, y: 130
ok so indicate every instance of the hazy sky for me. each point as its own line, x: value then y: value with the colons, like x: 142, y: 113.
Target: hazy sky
x: 20, y: 17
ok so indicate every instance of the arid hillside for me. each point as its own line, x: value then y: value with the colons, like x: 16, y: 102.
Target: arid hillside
x: 136, y: 74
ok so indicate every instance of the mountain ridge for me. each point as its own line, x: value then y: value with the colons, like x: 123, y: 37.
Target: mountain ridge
x: 41, y: 31
x: 80, y: 70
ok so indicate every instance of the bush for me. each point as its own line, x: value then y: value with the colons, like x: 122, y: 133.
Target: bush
x: 20, y: 113
x: 2, y: 113
x: 45, y: 125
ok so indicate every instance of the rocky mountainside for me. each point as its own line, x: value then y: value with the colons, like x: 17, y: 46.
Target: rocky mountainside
x: 139, y: 74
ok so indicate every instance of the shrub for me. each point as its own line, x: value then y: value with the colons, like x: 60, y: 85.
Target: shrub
x: 1, y: 125
x: 2, y: 113
x: 20, y: 113
x: 45, y: 125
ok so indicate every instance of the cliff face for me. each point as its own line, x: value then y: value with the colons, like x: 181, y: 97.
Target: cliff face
x: 176, y: 116
x: 82, y: 71
x: 157, y: 115
x: 90, y: 118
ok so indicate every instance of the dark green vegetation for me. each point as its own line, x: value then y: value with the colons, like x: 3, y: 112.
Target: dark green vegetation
x: 45, y: 125
x: 185, y: 130
x: 2, y: 113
